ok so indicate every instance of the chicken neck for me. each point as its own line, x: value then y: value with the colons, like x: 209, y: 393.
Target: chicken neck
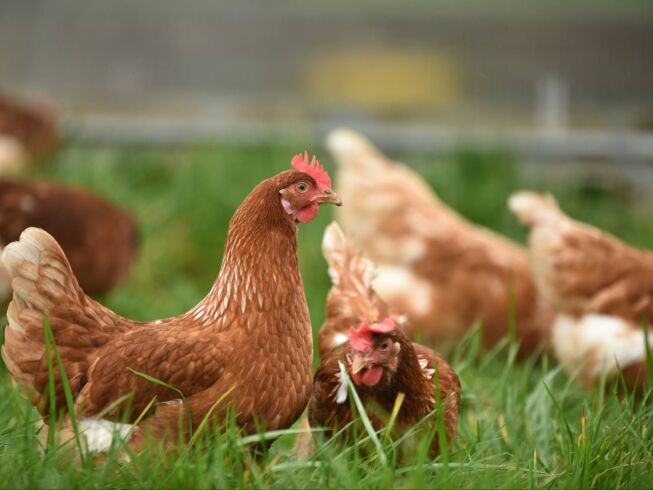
x: 260, y: 271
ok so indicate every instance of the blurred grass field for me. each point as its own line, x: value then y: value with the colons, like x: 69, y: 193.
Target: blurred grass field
x: 523, y: 424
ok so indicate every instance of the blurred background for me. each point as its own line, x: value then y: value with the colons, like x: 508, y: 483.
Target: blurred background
x: 545, y: 79
x: 151, y: 104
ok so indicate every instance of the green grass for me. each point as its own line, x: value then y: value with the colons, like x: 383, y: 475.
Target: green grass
x: 522, y: 425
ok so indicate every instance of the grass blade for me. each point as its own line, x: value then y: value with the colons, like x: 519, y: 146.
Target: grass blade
x: 394, y: 414
x: 206, y: 417
x: 52, y: 414
x: 363, y: 415
x: 70, y: 403
x: 152, y: 379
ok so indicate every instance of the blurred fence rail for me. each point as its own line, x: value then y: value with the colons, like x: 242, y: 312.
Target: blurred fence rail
x: 623, y: 145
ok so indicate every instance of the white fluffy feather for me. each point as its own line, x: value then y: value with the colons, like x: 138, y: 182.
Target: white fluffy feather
x: 598, y: 343
x: 341, y: 394
x: 99, y: 434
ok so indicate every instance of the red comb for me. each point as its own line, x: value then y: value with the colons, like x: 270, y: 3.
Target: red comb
x: 361, y: 338
x: 314, y: 169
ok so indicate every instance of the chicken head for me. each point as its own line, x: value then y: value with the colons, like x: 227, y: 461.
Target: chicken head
x: 374, y: 352
x: 302, y: 198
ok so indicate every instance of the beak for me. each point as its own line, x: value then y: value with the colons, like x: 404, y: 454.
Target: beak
x: 358, y: 364
x: 329, y: 197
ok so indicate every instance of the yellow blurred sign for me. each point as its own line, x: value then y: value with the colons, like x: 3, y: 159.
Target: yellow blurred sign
x: 384, y: 79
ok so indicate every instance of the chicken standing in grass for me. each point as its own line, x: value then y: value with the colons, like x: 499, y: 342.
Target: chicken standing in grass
x: 361, y: 339
x: 249, y: 340
x: 601, y: 288
x: 99, y: 240
x: 444, y: 272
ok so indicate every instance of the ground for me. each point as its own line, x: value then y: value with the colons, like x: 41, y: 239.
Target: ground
x: 523, y: 424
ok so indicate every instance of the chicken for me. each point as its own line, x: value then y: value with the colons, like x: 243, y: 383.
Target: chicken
x: 26, y: 132
x: 99, y: 240
x: 442, y: 271
x: 601, y: 288
x: 249, y: 340
x: 359, y: 340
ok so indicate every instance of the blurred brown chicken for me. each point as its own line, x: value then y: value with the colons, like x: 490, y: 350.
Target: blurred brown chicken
x: 26, y: 132
x: 99, y: 239
x: 601, y: 287
x: 441, y: 270
x: 362, y: 339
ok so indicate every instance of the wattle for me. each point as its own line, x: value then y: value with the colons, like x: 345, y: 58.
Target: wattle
x: 372, y: 376
x: 307, y: 213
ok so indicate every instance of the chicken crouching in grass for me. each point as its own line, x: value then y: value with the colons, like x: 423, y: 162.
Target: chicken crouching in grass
x: 601, y: 288
x: 248, y: 342
x: 359, y: 341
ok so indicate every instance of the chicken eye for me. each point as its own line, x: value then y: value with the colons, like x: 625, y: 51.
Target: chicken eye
x: 384, y: 346
x: 302, y: 187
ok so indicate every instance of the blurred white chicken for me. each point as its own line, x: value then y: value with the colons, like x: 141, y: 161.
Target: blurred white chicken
x: 444, y: 272
x: 601, y: 287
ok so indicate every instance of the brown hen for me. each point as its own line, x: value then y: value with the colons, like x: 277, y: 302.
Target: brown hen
x: 99, y: 240
x: 377, y: 355
x: 248, y: 340
x: 601, y: 287
x: 442, y: 271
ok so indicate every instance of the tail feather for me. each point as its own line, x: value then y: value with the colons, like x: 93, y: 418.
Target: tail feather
x: 343, y: 260
x: 352, y: 298
x: 534, y: 209
x: 39, y: 270
x: 44, y: 286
